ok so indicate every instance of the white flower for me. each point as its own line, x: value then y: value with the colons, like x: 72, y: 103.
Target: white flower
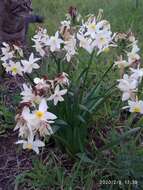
x: 128, y: 86
x: 29, y: 96
x: 135, y: 47
x: 91, y: 28
x: 66, y: 23
x: 7, y: 54
x: 57, y: 96
x: 27, y: 93
x: 70, y: 47
x: 62, y: 79
x: 30, y: 64
x: 137, y: 73
x: 102, y: 40
x: 31, y: 144
x: 39, y: 48
x: 41, y: 84
x: 24, y: 122
x: 45, y: 129
x: 122, y: 63
x: 135, y: 106
x: 38, y: 80
x: 55, y: 42
x: 19, y: 50
x: 41, y: 41
x: 41, y: 36
x: 103, y: 25
x: 133, y: 56
x: 13, y: 67
x: 42, y: 115
x: 85, y: 43
x: 132, y: 38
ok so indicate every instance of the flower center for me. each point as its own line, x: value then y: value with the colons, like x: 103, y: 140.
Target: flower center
x: 93, y: 26
x: 39, y: 114
x: 14, y: 70
x: 106, y: 50
x: 102, y: 40
x: 53, y: 39
x: 29, y: 146
x: 36, y: 100
x: 136, y: 109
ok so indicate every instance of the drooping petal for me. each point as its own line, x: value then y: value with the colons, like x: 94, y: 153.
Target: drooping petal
x: 50, y: 116
x: 63, y: 92
x: 125, y: 96
x: 43, y: 105
x: 38, y: 143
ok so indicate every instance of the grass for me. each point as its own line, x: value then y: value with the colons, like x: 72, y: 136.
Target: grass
x: 121, y: 158
x: 122, y: 14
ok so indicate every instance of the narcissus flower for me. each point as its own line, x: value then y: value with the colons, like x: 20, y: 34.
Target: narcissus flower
x: 41, y: 113
x: 41, y: 84
x: 122, y: 64
x: 45, y: 129
x: 102, y: 40
x: 65, y: 23
x: 31, y: 144
x: 29, y: 96
x: 57, y: 96
x: 55, y: 42
x: 30, y: 64
x: 24, y: 122
x: 135, y: 106
x: 18, y: 50
x: 41, y: 41
x: 39, y: 48
x: 14, y: 68
x: 128, y: 86
x: 62, y: 79
x: 133, y: 56
x: 85, y: 43
x: 137, y: 73
x: 7, y: 53
x: 41, y: 35
x: 70, y: 48
x: 91, y: 26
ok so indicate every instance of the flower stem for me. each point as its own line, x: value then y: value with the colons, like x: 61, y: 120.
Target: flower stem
x: 137, y: 3
x: 88, y: 67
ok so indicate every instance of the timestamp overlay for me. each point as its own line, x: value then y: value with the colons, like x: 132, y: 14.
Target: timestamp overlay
x: 119, y: 182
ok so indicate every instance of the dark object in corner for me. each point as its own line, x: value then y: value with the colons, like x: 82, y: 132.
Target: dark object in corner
x: 15, y: 17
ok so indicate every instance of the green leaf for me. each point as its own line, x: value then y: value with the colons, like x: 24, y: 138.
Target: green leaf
x: 119, y: 139
x: 85, y: 158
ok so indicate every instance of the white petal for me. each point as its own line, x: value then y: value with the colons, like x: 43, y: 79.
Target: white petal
x: 56, y: 101
x: 57, y: 89
x: 36, y: 149
x: 63, y: 92
x: 21, y: 142
x: 36, y: 66
x: 125, y: 96
x: 51, y: 97
x: 38, y: 143
x: 50, y: 116
x: 43, y: 105
x: 37, y: 80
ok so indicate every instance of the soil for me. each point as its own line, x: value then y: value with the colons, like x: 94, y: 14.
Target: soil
x: 12, y: 161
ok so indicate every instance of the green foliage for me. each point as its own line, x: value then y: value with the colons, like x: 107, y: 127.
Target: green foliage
x: 8, y: 105
x: 82, y: 102
x: 92, y: 104
x: 118, y: 166
x: 51, y: 175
